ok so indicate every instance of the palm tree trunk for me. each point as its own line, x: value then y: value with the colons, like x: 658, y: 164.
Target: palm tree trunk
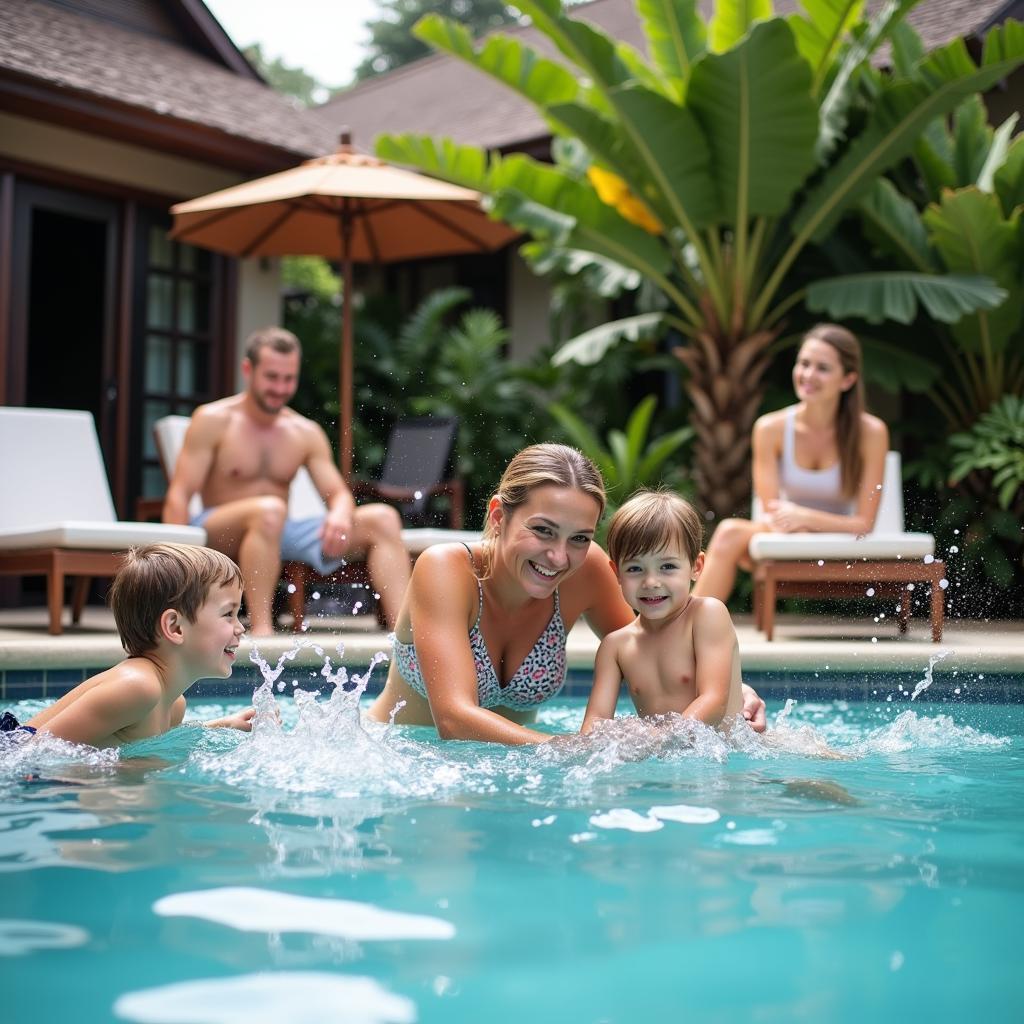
x: 725, y: 386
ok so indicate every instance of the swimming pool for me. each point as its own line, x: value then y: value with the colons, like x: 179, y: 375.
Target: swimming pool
x: 319, y: 872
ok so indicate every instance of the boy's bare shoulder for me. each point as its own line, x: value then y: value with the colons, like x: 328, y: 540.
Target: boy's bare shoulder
x: 136, y: 678
x: 617, y: 637
x: 709, y: 611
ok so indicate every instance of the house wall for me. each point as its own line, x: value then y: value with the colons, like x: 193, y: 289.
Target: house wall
x: 120, y: 163
x: 90, y: 156
x: 529, y: 302
x: 259, y: 302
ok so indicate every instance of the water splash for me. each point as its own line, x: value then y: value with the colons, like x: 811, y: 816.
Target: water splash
x: 923, y: 685
x: 329, y: 749
x: 911, y: 731
x: 23, y: 756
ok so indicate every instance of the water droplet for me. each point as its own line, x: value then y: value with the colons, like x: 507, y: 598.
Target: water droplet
x: 954, y: 549
x: 928, y: 559
x: 316, y: 595
x: 291, y: 588
x: 821, y: 561
x: 910, y: 586
x: 417, y: 495
x: 870, y: 592
x: 874, y: 639
x: 943, y: 583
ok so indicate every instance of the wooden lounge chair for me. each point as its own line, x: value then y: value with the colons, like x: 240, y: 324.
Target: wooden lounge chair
x: 888, y: 561
x: 57, y: 518
x: 304, y: 499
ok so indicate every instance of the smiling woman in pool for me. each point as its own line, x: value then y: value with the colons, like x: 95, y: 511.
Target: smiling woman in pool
x: 480, y: 639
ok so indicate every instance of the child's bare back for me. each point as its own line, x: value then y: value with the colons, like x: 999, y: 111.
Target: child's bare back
x: 131, y: 692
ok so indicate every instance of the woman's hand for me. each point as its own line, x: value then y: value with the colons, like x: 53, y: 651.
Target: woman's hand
x: 785, y: 517
x: 753, y: 709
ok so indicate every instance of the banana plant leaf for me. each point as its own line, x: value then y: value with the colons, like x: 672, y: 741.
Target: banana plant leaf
x: 895, y: 296
x: 588, y: 348
x: 968, y: 230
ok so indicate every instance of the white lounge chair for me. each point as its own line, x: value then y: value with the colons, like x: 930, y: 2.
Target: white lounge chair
x: 304, y: 502
x: 888, y: 559
x: 57, y: 518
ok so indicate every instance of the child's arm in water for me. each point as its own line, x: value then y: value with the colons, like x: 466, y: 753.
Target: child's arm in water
x: 714, y: 655
x: 604, y: 694
x: 241, y: 720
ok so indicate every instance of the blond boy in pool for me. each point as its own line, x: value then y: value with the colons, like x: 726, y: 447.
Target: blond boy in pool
x: 176, y: 609
x: 680, y: 654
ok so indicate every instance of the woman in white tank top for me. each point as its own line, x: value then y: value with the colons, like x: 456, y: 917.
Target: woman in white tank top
x: 817, y: 465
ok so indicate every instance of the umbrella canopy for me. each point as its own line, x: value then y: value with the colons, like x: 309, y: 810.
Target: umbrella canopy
x: 349, y: 207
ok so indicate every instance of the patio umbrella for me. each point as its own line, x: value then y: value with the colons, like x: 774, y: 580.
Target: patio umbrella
x: 349, y: 207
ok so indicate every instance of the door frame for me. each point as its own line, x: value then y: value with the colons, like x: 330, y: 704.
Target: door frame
x: 29, y: 197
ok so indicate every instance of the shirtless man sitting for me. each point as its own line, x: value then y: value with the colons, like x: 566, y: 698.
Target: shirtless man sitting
x: 241, y: 454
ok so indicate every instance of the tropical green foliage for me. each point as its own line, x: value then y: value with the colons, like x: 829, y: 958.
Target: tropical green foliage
x: 976, y: 509
x: 301, y: 86
x: 995, y: 444
x: 392, y: 43
x: 710, y: 168
x: 630, y: 458
x: 423, y: 364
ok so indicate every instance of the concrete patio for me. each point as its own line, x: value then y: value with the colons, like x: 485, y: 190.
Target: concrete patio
x: 802, y: 644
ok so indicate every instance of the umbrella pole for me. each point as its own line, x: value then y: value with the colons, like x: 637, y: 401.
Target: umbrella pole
x: 346, y: 384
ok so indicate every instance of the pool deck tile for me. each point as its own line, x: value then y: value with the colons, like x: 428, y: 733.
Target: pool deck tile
x: 29, y: 656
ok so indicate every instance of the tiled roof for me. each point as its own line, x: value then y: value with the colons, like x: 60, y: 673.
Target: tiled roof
x: 57, y: 47
x: 441, y: 96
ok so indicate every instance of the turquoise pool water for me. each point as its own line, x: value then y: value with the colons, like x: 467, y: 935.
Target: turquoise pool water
x: 317, y: 872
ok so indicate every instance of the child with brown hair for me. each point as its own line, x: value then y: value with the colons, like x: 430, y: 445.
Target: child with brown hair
x: 680, y: 654
x: 176, y: 609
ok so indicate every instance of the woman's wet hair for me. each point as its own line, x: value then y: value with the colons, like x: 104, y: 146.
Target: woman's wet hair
x: 544, y: 465
x: 851, y: 402
x: 652, y: 521
x: 155, y: 577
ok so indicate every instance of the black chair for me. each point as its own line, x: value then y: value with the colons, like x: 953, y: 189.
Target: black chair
x: 419, y: 454
x: 418, y: 467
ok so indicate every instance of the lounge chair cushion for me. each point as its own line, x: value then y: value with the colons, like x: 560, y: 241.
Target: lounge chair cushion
x: 98, y: 536
x: 832, y: 547
x: 418, y: 540
x: 887, y: 540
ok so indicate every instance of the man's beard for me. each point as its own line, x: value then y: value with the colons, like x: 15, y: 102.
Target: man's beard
x: 263, y: 406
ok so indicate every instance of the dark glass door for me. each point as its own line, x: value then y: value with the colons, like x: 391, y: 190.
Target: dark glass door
x: 64, y: 292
